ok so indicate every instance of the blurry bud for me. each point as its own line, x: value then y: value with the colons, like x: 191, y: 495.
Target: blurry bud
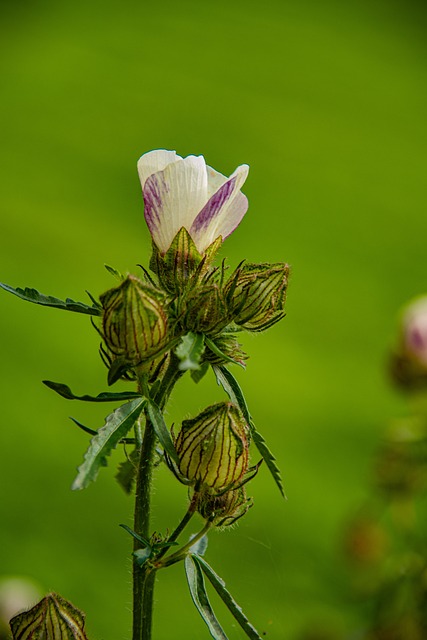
x: 182, y: 264
x: 256, y: 294
x: 53, y: 618
x: 365, y: 541
x: 205, y: 311
x: 135, y: 327
x: 223, y: 510
x: 409, y: 361
x: 213, y: 448
x: 227, y: 345
x: 401, y: 464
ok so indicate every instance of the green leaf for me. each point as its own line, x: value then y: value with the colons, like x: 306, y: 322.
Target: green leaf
x: 32, y: 295
x: 230, y: 385
x: 126, y: 472
x: 131, y: 532
x: 142, y: 555
x: 117, y: 425
x: 199, y: 547
x: 268, y: 457
x: 198, y: 374
x: 200, y: 597
x: 219, y: 586
x: 161, y: 430
x: 114, y: 272
x: 105, y: 396
x: 190, y: 350
x: 232, y: 388
x: 53, y: 617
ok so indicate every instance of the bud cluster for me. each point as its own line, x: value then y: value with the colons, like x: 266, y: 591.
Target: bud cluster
x: 143, y: 320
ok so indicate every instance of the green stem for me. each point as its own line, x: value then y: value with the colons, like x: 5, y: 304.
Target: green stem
x: 181, y: 553
x: 180, y: 528
x: 144, y: 577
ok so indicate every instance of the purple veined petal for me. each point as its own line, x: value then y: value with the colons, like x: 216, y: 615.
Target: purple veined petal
x: 155, y: 161
x: 223, y: 212
x: 173, y: 198
x: 215, y: 180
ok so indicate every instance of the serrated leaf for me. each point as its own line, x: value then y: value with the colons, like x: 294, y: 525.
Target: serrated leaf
x: 268, y: 457
x: 198, y: 374
x: 200, y: 598
x: 161, y: 430
x: 105, y: 396
x: 190, y: 350
x: 117, y: 425
x: 230, y: 385
x: 126, y: 472
x: 53, y: 618
x: 32, y: 295
x: 219, y: 586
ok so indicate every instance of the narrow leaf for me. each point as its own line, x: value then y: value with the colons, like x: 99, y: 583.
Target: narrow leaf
x: 190, y: 350
x: 199, y: 547
x: 117, y: 425
x: 230, y: 385
x: 32, y: 295
x: 114, y: 272
x: 131, y: 532
x: 93, y: 432
x: 232, y: 388
x: 161, y: 430
x: 268, y: 457
x: 53, y: 617
x: 219, y: 586
x: 200, y: 597
x: 105, y: 396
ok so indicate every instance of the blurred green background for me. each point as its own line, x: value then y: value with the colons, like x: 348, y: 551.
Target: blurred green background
x: 327, y: 102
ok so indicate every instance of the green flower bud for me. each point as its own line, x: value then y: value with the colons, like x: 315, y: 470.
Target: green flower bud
x: 53, y: 617
x: 135, y: 326
x: 227, y: 345
x: 182, y: 265
x: 205, y: 311
x: 213, y: 447
x: 223, y: 510
x: 256, y: 294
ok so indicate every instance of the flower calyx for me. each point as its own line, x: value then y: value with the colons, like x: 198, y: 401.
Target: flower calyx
x: 213, y: 448
x: 135, y: 326
x: 256, y: 294
x: 225, y: 509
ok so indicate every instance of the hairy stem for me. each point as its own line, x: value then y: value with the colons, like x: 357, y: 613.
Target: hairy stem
x: 181, y: 553
x: 144, y: 577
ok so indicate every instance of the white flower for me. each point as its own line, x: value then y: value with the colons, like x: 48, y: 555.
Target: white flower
x: 185, y: 192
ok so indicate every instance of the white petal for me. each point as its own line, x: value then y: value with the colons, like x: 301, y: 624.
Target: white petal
x: 154, y: 161
x: 223, y: 212
x: 174, y: 197
x: 215, y: 180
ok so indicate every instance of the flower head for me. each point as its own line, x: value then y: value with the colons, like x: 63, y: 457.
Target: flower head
x: 186, y: 193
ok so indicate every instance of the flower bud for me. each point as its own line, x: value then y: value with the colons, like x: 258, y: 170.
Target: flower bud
x: 223, y: 510
x: 409, y: 361
x: 182, y: 264
x: 135, y: 327
x: 213, y: 447
x: 256, y: 294
x: 205, y: 310
x: 227, y: 345
x: 53, y: 617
